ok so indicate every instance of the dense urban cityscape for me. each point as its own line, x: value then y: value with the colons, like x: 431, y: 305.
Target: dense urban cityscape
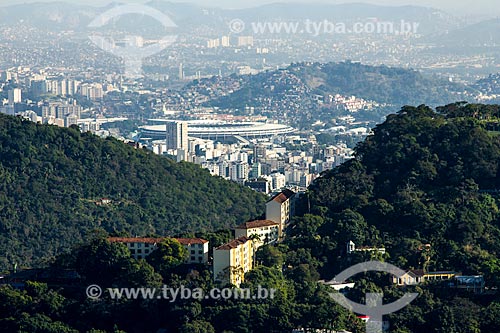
x: 285, y: 148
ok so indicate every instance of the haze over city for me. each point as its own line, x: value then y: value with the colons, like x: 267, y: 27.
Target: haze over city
x: 462, y: 7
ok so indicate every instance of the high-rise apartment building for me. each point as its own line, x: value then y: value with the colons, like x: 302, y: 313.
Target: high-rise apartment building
x: 245, y: 41
x: 226, y: 41
x: 15, y: 96
x: 177, y: 135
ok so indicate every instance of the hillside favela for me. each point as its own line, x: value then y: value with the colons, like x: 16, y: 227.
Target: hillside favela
x: 249, y: 166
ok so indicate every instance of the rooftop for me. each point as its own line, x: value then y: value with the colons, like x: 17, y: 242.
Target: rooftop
x: 257, y: 224
x: 189, y: 241
x: 233, y: 244
x: 283, y: 196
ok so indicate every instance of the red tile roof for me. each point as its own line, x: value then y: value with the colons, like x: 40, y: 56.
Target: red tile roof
x: 233, y: 244
x: 189, y: 241
x: 283, y: 196
x: 257, y: 224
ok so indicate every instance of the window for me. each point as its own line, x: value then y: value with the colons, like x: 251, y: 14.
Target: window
x: 193, y: 258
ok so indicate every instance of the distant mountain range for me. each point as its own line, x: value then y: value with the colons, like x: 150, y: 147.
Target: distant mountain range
x: 67, y: 16
x: 437, y: 26
x: 486, y: 33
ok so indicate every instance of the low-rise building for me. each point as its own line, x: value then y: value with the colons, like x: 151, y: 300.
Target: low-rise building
x: 352, y: 248
x: 197, y: 249
x: 140, y: 248
x: 266, y: 230
x: 418, y: 276
x: 232, y: 261
x: 473, y: 283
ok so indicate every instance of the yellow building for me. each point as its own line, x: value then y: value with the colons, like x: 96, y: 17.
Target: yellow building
x: 233, y: 260
x: 418, y: 276
x: 280, y: 209
x: 267, y: 231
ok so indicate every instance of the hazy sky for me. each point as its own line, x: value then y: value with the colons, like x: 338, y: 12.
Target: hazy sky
x: 460, y: 7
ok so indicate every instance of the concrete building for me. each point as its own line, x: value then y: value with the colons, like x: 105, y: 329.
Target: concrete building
x: 213, y: 43
x: 140, y: 248
x: 279, y: 181
x: 15, y: 96
x: 256, y: 170
x: 226, y: 41
x: 232, y: 261
x: 197, y: 250
x: 260, y: 185
x: 177, y: 135
x: 266, y: 230
x: 280, y: 209
x: 61, y: 111
x: 245, y: 41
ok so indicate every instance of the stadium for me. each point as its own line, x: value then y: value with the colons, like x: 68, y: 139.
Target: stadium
x: 220, y: 131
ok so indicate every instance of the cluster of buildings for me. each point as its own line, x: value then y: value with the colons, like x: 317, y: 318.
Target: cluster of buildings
x: 225, y: 41
x: 472, y: 283
x: 350, y: 103
x: 231, y: 261
x: 63, y: 112
x: 248, y: 154
x: 48, y: 96
x: 270, y: 166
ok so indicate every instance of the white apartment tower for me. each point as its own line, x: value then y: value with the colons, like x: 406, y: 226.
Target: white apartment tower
x: 177, y: 135
x: 15, y: 96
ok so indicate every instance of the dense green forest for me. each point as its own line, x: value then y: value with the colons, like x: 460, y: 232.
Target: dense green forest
x: 51, y: 179
x: 423, y: 177
x: 299, y: 301
x: 425, y: 186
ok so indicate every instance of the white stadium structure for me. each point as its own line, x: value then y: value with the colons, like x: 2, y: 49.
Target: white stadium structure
x: 219, y: 130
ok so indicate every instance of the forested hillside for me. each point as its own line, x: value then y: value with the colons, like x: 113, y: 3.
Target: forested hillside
x: 425, y: 186
x: 424, y: 177
x: 52, y: 181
